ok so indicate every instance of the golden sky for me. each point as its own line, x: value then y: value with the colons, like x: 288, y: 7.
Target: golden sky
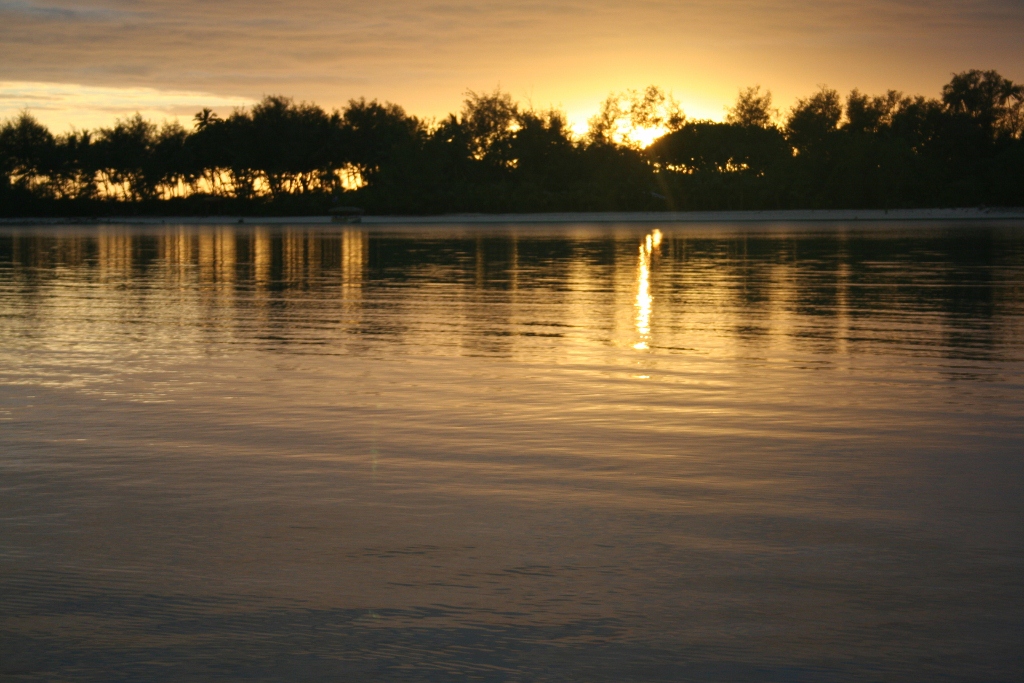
x: 87, y: 61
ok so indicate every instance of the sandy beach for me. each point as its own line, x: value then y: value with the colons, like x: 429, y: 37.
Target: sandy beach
x: 786, y: 216
x: 714, y: 216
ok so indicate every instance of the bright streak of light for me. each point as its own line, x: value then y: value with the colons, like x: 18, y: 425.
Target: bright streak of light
x: 644, y: 299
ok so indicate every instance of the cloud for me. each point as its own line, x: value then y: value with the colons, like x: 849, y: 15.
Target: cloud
x: 61, y: 105
x: 12, y: 8
x: 425, y: 53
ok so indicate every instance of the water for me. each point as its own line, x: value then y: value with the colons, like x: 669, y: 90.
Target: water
x: 512, y: 454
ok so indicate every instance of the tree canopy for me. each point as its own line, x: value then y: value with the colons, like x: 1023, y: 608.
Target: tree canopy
x: 961, y: 148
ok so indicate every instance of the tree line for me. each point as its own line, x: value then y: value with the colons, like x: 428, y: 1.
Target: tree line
x: 963, y: 148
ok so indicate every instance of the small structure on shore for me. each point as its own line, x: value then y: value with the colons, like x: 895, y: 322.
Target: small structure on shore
x: 346, y: 214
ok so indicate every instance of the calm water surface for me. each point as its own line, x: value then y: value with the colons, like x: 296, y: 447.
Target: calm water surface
x: 778, y: 453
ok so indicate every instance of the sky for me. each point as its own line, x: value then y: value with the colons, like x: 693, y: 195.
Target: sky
x: 83, y: 63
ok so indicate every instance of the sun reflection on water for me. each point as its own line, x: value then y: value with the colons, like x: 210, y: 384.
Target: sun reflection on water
x: 644, y: 300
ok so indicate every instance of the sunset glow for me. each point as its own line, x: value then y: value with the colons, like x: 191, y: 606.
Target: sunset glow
x: 65, y: 105
x: 568, y: 54
x: 451, y: 340
x: 642, y: 137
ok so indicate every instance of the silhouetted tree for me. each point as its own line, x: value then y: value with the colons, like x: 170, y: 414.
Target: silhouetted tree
x: 813, y: 119
x: 205, y: 118
x: 622, y: 114
x: 964, y: 147
x: 867, y: 114
x: 753, y: 108
x: 126, y: 161
x: 26, y: 150
x: 490, y: 122
x: 72, y: 170
x: 990, y: 102
x: 376, y: 137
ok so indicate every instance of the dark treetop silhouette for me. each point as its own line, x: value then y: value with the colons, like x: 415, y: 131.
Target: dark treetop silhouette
x: 281, y: 157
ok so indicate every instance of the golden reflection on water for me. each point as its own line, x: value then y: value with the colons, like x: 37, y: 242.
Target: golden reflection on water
x: 644, y: 301
x: 783, y: 292
x: 444, y: 429
x: 262, y: 256
x: 115, y: 256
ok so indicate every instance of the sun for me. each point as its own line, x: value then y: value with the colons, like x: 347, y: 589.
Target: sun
x: 639, y: 137
x: 642, y: 137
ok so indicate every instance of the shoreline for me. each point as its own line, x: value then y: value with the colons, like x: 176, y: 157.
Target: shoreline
x: 781, y: 216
